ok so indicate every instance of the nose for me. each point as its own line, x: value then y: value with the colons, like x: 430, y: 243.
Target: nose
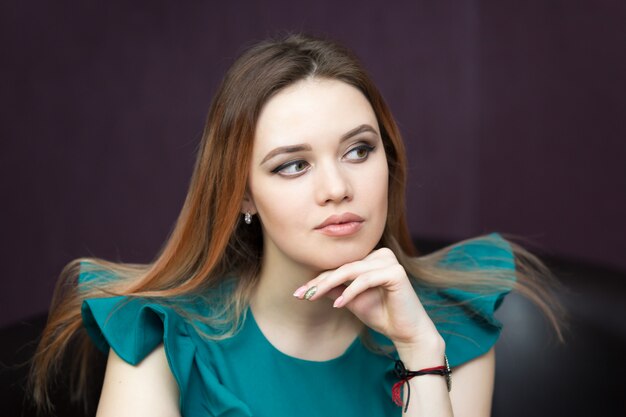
x: 333, y: 185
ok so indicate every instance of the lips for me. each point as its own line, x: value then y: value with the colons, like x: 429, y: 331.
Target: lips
x: 340, y: 219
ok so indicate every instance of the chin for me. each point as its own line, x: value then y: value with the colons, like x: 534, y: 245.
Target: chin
x: 336, y: 258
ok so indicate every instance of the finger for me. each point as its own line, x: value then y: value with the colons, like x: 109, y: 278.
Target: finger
x: 319, y: 286
x: 364, y: 282
x: 384, y: 277
x: 382, y: 253
x: 307, y: 290
x: 326, y: 281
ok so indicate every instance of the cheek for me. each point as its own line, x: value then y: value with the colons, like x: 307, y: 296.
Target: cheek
x: 280, y: 207
x: 375, y: 192
x: 373, y: 186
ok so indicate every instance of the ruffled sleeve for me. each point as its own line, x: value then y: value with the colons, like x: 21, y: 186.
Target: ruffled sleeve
x: 466, y: 319
x: 134, y: 327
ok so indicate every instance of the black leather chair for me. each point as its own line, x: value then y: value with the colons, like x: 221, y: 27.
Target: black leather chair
x: 536, y: 376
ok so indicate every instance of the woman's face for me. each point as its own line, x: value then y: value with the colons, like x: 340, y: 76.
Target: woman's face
x: 318, y: 179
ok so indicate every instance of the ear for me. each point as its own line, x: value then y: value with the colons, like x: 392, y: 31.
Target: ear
x: 247, y: 204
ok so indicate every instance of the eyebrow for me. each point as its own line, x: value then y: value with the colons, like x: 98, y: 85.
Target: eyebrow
x: 306, y: 147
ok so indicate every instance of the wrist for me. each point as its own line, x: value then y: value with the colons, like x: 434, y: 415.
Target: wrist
x: 423, y: 354
x: 405, y: 374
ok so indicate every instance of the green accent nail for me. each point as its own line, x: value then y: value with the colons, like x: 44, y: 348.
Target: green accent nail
x: 310, y: 292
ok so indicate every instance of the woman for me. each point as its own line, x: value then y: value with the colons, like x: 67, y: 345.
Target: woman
x: 289, y: 285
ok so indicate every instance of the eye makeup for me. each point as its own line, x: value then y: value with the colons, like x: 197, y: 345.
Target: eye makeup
x: 357, y: 154
x: 363, y: 147
x: 299, y: 165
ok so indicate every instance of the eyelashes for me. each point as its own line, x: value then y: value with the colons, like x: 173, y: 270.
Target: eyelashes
x: 357, y: 154
x: 361, y: 152
x: 291, y: 168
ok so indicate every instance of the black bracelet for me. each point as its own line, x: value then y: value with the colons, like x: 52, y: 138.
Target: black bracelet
x: 404, y: 375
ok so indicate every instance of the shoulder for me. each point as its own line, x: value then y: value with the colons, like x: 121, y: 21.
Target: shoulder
x: 464, y: 314
x: 166, y: 341
x: 134, y: 325
x: 144, y: 337
x: 486, y: 252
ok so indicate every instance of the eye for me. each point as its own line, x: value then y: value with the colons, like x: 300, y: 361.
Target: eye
x: 359, y: 153
x: 291, y: 169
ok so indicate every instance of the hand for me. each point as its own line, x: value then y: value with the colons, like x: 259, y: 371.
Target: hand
x: 378, y: 291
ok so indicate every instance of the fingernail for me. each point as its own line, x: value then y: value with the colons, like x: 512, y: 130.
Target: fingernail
x: 299, y: 292
x: 338, y: 302
x: 310, y: 292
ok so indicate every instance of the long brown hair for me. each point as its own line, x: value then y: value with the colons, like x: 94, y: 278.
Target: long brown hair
x: 209, y: 241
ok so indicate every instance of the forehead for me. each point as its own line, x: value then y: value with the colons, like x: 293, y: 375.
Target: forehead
x: 311, y: 110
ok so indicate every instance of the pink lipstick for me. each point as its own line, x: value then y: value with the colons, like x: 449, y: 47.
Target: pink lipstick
x: 344, y: 224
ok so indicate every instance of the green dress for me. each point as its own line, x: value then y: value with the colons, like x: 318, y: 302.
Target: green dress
x: 245, y: 375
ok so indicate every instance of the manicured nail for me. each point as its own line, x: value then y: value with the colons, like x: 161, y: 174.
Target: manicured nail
x: 310, y: 292
x: 299, y: 292
x: 338, y: 302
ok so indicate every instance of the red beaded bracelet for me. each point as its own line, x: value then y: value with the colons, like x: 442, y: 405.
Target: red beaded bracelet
x: 405, y: 375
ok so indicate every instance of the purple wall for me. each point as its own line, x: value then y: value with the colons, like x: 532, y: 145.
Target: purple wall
x: 513, y: 114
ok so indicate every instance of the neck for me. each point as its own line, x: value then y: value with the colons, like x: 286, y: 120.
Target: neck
x: 273, y: 296
x: 294, y: 325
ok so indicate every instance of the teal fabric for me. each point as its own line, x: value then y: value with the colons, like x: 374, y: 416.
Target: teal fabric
x: 247, y: 376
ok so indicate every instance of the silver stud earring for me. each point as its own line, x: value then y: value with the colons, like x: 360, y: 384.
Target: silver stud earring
x: 247, y: 217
